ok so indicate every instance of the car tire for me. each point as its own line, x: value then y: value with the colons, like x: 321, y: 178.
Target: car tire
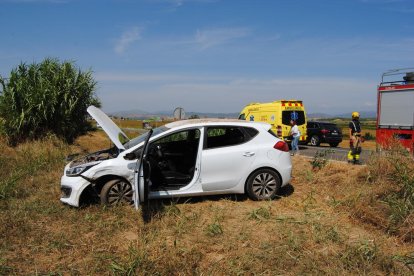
x: 334, y: 145
x: 315, y: 141
x: 263, y: 184
x: 116, y: 192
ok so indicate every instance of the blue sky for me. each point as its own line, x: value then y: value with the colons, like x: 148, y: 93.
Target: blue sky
x: 217, y: 55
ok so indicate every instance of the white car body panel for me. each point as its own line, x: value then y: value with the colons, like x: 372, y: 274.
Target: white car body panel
x: 222, y: 166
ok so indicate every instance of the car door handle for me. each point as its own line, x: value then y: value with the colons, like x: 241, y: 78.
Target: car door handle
x: 248, y: 154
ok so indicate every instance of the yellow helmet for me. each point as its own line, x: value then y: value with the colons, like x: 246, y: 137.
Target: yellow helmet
x: 355, y: 114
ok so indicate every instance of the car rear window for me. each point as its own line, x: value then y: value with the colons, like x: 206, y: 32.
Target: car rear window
x: 251, y: 132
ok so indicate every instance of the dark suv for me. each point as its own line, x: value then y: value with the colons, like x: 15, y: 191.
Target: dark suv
x: 321, y: 132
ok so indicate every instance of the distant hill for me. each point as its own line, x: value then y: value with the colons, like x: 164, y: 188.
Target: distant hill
x: 135, y: 113
x: 318, y: 116
x: 141, y: 114
x: 214, y: 115
x: 363, y: 114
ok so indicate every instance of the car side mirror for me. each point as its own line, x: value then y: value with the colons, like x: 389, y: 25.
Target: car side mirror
x: 130, y: 156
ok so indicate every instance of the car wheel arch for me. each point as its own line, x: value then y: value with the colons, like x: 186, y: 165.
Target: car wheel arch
x: 94, y: 188
x: 101, y: 181
x: 261, y: 168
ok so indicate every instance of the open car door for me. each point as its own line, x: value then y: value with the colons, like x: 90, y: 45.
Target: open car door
x: 141, y: 183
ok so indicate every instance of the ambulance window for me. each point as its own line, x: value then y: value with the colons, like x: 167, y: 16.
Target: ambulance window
x: 287, y: 116
x: 242, y: 117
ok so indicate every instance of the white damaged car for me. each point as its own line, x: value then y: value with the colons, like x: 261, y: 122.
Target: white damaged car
x: 184, y: 158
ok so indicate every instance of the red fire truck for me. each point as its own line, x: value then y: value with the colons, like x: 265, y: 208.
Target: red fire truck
x: 395, y: 111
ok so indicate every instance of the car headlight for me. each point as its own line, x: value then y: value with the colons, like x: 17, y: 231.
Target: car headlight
x: 75, y: 171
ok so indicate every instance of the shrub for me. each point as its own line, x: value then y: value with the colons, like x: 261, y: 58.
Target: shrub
x: 393, y: 176
x: 46, y: 97
x: 368, y: 136
x: 320, y: 159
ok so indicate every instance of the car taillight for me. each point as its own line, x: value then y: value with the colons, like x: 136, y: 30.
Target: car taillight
x: 279, y: 131
x: 281, y: 146
x: 325, y: 131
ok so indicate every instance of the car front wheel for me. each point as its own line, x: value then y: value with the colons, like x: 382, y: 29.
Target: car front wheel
x: 333, y: 145
x: 315, y: 141
x: 116, y: 192
x: 263, y: 185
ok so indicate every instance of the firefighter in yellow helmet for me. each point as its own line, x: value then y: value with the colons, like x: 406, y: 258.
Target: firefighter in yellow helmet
x: 355, y: 139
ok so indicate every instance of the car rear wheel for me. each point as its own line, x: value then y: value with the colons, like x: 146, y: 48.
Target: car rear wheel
x: 263, y: 185
x: 334, y: 145
x: 315, y: 141
x: 116, y: 192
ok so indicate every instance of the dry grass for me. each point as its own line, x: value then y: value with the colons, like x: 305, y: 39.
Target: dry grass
x: 368, y: 144
x: 312, y: 229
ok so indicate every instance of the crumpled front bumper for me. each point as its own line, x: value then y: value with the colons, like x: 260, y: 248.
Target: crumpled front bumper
x: 72, y: 188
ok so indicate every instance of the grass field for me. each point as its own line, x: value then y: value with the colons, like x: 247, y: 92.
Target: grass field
x: 336, y: 220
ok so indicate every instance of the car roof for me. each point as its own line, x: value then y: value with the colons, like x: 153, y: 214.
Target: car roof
x: 213, y: 121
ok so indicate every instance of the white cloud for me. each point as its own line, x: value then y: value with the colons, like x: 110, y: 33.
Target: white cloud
x: 328, y: 95
x: 127, y: 38
x: 228, y: 94
x: 213, y: 37
x: 177, y: 3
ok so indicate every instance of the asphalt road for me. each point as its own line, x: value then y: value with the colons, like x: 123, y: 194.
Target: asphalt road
x: 339, y: 154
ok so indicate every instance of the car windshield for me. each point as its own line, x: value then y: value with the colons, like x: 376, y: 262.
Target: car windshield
x: 141, y: 138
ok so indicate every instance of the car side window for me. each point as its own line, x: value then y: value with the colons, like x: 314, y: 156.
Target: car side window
x: 251, y: 132
x: 224, y: 136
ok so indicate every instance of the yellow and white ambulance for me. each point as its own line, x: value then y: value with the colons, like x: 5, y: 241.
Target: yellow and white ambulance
x: 278, y: 114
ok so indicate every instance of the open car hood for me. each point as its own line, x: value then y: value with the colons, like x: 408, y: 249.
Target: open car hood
x: 117, y: 136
